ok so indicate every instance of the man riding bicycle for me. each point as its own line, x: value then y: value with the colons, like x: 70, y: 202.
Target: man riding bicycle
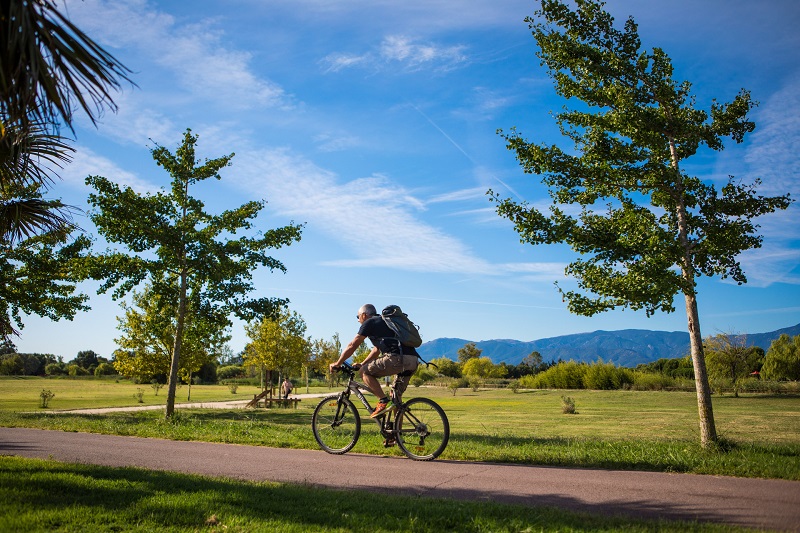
x: 398, y: 360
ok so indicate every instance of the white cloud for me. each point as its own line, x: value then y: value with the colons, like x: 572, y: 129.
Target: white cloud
x: 773, y: 157
x: 86, y: 163
x: 459, y: 196
x: 372, y: 217
x: 195, y: 54
x: 398, y: 49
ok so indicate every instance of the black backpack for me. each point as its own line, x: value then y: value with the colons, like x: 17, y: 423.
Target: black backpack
x: 404, y: 329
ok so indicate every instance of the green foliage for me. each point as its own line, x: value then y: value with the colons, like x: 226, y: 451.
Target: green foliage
x: 39, y: 274
x: 75, y: 370
x: 606, y: 376
x: 277, y: 343
x: 783, y: 359
x: 86, y: 359
x: 482, y: 367
x: 104, y: 369
x: 680, y: 367
x: 730, y: 360
x: 12, y: 365
x: 468, y: 351
x: 564, y: 375
x: 193, y: 259
x: 55, y: 369
x: 230, y: 372
x: 643, y: 229
x: 44, y: 398
x: 139, y: 395
x: 447, y: 367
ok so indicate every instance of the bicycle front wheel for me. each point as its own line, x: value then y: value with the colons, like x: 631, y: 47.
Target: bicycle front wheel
x: 422, y: 429
x: 336, y: 425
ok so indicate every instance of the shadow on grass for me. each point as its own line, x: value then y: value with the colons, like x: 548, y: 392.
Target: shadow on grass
x: 47, y: 493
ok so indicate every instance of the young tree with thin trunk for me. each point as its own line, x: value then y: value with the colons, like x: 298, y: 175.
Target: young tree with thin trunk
x: 183, y: 250
x: 645, y: 229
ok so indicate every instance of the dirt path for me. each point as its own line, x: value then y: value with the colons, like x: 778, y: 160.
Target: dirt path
x: 759, y: 503
x: 230, y: 404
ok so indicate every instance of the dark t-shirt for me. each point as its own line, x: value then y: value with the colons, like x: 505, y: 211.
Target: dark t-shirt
x: 382, y: 337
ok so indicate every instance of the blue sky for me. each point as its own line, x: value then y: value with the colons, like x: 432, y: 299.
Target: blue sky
x: 374, y: 123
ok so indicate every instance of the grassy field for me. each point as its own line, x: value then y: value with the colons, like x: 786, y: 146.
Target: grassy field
x: 613, y: 429
x: 38, y: 495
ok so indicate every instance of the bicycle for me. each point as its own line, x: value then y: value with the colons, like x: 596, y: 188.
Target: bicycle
x: 419, y: 426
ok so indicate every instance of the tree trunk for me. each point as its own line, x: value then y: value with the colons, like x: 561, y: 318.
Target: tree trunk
x: 708, y: 431
x: 176, y: 350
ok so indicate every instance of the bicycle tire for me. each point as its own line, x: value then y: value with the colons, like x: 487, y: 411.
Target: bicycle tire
x: 336, y: 425
x: 422, y: 429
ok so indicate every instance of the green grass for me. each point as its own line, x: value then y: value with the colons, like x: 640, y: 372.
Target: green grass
x: 655, y: 431
x: 22, y: 393
x: 38, y: 495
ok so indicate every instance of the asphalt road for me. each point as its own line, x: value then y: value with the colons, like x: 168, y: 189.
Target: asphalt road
x: 758, y: 503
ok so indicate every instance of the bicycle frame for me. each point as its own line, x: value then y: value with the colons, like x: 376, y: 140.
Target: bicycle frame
x: 384, y: 421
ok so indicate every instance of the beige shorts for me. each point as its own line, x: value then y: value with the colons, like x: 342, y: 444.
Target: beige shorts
x: 392, y: 364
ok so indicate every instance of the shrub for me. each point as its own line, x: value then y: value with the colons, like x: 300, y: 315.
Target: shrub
x: 44, y: 398
x: 514, y: 386
x: 104, y: 369
x: 416, y: 381
x: 606, y: 376
x: 651, y: 381
x: 139, y: 395
x: 233, y: 387
x: 564, y: 375
x: 156, y: 386
x: 54, y: 369
x: 230, y: 372
x: 568, y: 405
x: 75, y: 370
x: 474, y: 383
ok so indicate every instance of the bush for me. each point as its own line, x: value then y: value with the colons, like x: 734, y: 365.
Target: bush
x: 514, y: 386
x: 75, y: 370
x: 104, y: 369
x: 230, y: 372
x: 139, y: 395
x: 564, y: 375
x: 568, y: 405
x: 416, y: 381
x: 44, y: 398
x: 606, y: 376
x: 55, y: 369
x: 474, y: 383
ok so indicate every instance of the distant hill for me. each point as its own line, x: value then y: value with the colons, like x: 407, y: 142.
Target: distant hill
x: 628, y: 347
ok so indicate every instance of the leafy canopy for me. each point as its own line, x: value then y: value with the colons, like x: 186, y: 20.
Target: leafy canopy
x: 644, y: 228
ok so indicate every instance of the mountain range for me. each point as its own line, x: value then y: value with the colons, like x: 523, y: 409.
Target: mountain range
x: 627, y: 347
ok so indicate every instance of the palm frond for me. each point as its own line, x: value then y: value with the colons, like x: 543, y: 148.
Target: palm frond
x: 24, y: 218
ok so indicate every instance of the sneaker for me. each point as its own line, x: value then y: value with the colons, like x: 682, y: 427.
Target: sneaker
x: 388, y: 443
x: 380, y: 408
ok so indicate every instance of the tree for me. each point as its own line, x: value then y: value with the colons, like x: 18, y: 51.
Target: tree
x: 39, y: 273
x: 730, y: 358
x: 783, y: 359
x: 482, y: 367
x: 148, y: 337
x: 277, y: 343
x: 468, y: 351
x: 87, y: 359
x: 645, y: 229
x: 182, y: 249
x: 447, y: 367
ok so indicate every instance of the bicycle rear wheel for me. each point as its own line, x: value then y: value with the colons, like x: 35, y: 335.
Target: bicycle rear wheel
x: 336, y: 425
x: 422, y: 429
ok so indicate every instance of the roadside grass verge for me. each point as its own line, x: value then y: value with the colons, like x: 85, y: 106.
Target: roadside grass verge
x: 655, y: 431
x: 41, y: 495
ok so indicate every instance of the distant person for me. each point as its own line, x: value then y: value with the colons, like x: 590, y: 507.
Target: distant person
x: 286, y: 387
x: 398, y: 360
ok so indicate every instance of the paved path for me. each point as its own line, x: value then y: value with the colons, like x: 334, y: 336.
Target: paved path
x: 759, y: 503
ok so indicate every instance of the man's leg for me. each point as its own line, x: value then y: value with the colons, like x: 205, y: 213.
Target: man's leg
x: 373, y: 384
